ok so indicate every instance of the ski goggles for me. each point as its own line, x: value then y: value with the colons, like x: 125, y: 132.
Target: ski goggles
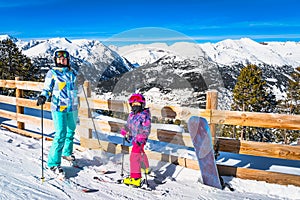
x: 59, y: 54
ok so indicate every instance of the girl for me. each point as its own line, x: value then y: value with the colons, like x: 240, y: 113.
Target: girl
x: 137, y: 129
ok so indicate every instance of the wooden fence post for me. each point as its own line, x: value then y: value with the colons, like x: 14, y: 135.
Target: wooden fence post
x: 212, y: 103
x: 85, y: 111
x: 19, y: 109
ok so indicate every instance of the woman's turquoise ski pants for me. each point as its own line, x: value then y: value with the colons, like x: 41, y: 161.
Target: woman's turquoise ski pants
x: 62, y: 144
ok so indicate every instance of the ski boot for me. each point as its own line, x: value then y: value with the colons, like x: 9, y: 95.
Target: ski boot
x: 58, y: 170
x: 71, y: 159
x: 136, y: 182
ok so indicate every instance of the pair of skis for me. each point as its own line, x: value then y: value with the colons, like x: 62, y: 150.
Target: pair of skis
x: 144, y: 187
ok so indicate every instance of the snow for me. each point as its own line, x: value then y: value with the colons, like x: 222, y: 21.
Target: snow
x: 226, y: 52
x: 20, y: 157
x: 20, y: 173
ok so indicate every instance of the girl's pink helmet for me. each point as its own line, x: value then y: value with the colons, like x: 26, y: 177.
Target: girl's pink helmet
x: 137, y: 98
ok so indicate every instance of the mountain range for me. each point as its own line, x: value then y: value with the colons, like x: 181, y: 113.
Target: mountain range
x: 173, y: 74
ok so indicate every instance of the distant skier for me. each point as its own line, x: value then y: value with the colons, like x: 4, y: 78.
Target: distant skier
x: 137, y: 129
x: 60, y: 84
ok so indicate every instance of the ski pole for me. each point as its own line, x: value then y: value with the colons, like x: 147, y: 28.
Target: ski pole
x: 42, y: 130
x: 90, y: 111
x: 122, y: 169
x: 146, y: 180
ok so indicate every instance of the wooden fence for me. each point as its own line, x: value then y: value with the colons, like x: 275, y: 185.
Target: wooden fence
x: 213, y: 116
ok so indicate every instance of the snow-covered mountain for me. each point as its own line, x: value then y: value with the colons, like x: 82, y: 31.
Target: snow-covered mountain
x: 226, y: 52
x: 95, y: 60
x: 140, y: 54
x: 178, y: 73
x: 245, y: 51
x: 219, y: 64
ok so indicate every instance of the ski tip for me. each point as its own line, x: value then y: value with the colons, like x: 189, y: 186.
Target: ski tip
x: 103, y: 172
x: 89, y: 190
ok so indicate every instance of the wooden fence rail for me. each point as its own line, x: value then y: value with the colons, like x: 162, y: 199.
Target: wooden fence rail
x: 162, y: 133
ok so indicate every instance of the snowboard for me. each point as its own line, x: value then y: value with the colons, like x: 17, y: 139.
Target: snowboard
x: 202, y: 141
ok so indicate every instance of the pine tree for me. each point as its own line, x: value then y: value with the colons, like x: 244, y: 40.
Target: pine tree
x: 290, y: 105
x: 293, y: 92
x: 14, y: 64
x: 252, y: 94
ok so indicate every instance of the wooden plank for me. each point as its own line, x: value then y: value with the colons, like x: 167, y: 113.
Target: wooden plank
x: 101, y: 125
x: 36, y: 121
x: 183, y: 113
x: 212, y: 103
x: 19, y: 109
x: 30, y: 85
x: 260, y: 175
x: 266, y: 120
x: 103, y: 145
x: 259, y: 149
x: 118, y: 148
x: 113, y: 105
x: 8, y: 99
x: 32, y: 104
x: 22, y: 132
x: 172, y: 137
x: 8, y: 114
x: 23, y: 102
x: 7, y: 83
x: 156, y: 134
x: 244, y: 173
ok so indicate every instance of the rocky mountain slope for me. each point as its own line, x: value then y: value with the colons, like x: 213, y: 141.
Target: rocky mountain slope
x: 171, y: 74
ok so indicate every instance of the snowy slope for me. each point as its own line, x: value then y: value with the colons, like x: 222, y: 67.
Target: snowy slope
x: 20, y: 173
x: 247, y: 51
x: 226, y: 52
x: 145, y: 54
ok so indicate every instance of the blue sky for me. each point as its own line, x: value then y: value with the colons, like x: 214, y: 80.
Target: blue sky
x: 151, y: 21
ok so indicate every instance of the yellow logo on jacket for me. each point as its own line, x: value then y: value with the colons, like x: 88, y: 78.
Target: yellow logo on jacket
x: 61, y: 85
x: 62, y: 108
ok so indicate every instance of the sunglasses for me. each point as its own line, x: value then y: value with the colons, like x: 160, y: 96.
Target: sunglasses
x: 59, y: 54
x: 136, y: 104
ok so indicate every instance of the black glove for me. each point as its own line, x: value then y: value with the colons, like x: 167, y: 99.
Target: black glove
x: 41, y: 100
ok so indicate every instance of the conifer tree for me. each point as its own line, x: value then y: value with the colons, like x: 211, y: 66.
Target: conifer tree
x: 290, y: 105
x: 252, y: 94
x: 293, y: 92
x: 14, y: 64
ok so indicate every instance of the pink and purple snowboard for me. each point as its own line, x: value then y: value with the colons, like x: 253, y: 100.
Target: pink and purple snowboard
x: 201, y: 137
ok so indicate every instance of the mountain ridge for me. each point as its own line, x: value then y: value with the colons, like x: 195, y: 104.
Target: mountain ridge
x: 160, y: 67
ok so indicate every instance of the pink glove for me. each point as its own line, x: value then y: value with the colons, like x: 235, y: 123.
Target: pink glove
x: 125, y: 135
x: 123, y: 132
x: 140, y: 139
